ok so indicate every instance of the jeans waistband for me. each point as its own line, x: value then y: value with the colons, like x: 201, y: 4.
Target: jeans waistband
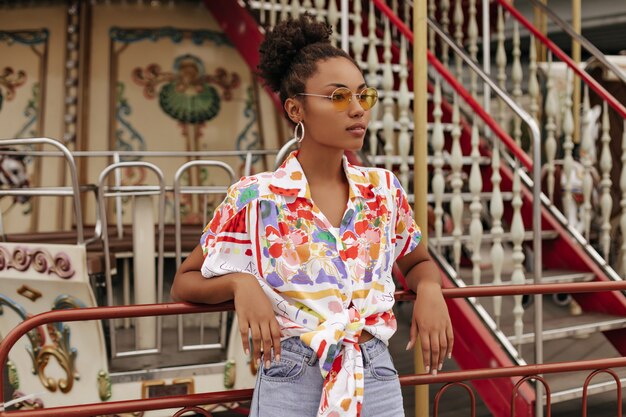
x: 369, y: 349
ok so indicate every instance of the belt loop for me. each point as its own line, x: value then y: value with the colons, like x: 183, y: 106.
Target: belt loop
x: 365, y: 354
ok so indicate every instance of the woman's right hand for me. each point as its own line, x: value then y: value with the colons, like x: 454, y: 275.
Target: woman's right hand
x: 255, y: 313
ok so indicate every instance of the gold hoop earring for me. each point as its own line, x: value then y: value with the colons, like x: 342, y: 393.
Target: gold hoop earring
x: 295, y: 132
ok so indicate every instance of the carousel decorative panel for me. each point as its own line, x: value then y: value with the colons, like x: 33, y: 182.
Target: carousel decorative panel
x: 176, y: 89
x: 23, y: 72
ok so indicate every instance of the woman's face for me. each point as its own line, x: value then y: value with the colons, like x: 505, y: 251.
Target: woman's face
x: 324, y: 124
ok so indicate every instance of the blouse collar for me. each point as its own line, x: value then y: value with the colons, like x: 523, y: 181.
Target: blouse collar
x: 289, y: 180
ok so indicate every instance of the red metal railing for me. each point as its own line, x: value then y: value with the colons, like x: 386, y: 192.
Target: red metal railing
x: 188, y: 402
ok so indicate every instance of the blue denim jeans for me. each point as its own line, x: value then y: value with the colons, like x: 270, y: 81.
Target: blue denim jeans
x: 293, y: 385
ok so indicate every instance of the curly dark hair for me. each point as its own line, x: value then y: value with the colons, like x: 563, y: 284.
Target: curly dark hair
x: 291, y: 51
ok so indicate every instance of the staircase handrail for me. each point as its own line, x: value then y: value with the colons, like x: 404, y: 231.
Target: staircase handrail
x: 589, y: 80
x: 591, y: 48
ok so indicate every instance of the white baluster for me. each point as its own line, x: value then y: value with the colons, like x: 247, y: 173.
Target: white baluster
x: 295, y: 9
x: 357, y: 36
x: 307, y: 5
x: 458, y: 36
x: 517, y: 237
x: 388, y: 103
x: 568, y: 161
x: 606, y: 201
x: 438, y: 182
x: 333, y: 19
x: 456, y: 163
x: 319, y: 9
x: 472, y: 35
x: 476, y: 207
x: 496, y: 208
x: 551, y: 109
x: 516, y: 77
x: 283, y: 9
x: 622, y: 184
x: 501, y: 65
x: 262, y: 12
x: 445, y: 23
x: 533, y: 85
x: 372, y: 78
x: 586, y: 152
x: 404, y: 103
x: 272, y: 13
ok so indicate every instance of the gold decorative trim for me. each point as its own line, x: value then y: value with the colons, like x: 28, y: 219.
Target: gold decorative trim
x: 29, y: 292
x: 145, y: 387
x: 187, y: 382
x: 230, y: 374
x: 14, y: 379
x: 104, y: 386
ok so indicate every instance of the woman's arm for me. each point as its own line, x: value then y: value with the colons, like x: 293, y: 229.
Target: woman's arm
x: 254, y: 310
x: 190, y: 285
x: 430, y: 313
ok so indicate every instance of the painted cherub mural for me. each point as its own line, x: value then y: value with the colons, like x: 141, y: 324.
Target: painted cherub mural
x: 188, y: 94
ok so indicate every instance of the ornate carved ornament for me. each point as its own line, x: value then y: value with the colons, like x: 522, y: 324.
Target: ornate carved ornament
x: 42, y: 261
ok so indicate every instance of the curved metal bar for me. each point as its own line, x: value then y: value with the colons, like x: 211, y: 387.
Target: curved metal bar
x: 445, y: 388
x: 105, y: 236
x: 595, y: 86
x: 286, y: 148
x: 178, y: 190
x: 567, y: 28
x: 519, y: 384
x: 617, y: 382
x: 78, y: 212
x: 196, y: 410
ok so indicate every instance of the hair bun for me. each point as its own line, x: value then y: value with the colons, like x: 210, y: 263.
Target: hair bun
x: 282, y: 44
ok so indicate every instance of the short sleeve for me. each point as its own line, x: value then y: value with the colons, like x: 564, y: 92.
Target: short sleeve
x: 408, y: 233
x: 226, y: 243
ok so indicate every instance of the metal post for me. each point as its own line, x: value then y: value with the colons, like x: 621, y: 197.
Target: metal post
x: 576, y: 24
x: 345, y: 16
x: 420, y: 155
x: 486, y: 57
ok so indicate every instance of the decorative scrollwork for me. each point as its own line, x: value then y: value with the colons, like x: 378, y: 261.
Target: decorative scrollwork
x: 41, y: 261
x: 14, y: 379
x: 104, y: 386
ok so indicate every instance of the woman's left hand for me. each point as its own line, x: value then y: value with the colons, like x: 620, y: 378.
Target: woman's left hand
x: 431, y: 322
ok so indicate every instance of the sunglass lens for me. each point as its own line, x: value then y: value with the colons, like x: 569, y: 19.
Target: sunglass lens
x: 341, y: 98
x: 368, y: 98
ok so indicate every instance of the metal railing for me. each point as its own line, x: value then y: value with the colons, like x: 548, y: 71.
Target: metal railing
x: 193, y: 190
x: 187, y: 402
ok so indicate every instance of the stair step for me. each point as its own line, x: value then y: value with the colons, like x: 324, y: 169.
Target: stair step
x: 576, y: 393
x: 572, y: 331
x: 488, y: 238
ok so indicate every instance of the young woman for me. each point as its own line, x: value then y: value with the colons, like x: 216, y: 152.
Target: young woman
x: 306, y: 252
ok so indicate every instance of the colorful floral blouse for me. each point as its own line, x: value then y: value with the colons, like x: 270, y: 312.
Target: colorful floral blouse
x: 326, y: 285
